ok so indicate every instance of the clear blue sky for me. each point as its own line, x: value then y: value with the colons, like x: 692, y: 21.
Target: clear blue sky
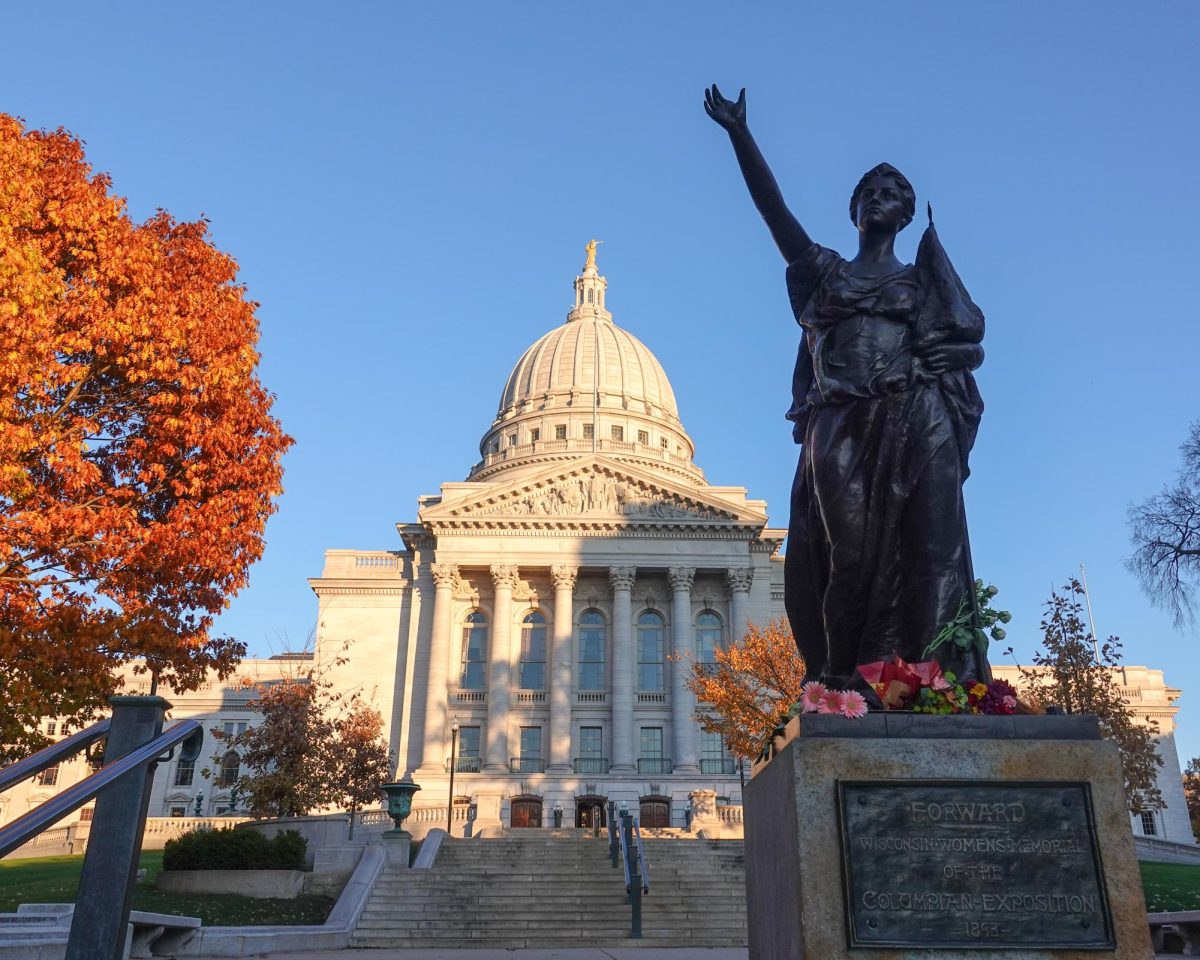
x: 408, y: 188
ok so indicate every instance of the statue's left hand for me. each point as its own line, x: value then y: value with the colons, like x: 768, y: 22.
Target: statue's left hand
x: 944, y: 357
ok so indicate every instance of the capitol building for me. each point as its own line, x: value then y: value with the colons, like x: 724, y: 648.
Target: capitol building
x: 550, y: 606
x: 538, y: 619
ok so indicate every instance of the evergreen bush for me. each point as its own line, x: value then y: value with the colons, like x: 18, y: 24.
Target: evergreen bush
x: 235, y: 850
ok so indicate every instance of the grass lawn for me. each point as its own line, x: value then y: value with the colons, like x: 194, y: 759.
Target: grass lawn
x: 1171, y: 886
x: 56, y: 880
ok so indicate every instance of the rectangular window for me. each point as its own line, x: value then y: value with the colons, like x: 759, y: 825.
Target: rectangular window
x: 617, y: 433
x: 535, y: 435
x: 714, y: 757
x: 51, y: 727
x: 589, y: 431
x: 512, y: 439
x: 234, y: 728
x: 48, y: 777
x: 560, y: 432
x: 184, y: 773
x: 532, y: 671
x: 86, y: 814
x: 1148, y: 829
x: 591, y: 742
x: 474, y: 655
x: 652, y: 743
x: 468, y: 742
x: 643, y: 436
x: 591, y: 658
x: 178, y: 811
x: 531, y: 743
x: 650, y: 659
x: 662, y: 442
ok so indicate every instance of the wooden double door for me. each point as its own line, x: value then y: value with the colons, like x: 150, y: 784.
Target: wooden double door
x: 526, y: 812
x: 655, y: 813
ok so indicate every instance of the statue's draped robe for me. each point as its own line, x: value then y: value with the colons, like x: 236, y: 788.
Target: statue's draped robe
x: 877, y: 557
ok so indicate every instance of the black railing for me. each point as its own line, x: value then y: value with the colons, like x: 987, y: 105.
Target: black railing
x: 654, y: 765
x: 590, y: 764
x: 136, y: 744
x: 718, y: 765
x: 527, y: 765
x: 49, y: 756
x: 466, y: 764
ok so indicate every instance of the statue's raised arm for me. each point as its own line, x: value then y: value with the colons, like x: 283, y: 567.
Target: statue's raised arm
x: 785, y: 229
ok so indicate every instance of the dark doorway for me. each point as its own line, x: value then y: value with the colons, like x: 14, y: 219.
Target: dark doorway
x: 585, y: 812
x: 527, y: 812
x: 655, y: 813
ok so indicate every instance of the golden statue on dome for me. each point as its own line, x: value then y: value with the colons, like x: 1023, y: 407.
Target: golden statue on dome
x: 590, y: 247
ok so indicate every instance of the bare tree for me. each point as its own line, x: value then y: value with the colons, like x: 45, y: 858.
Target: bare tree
x: 1165, y: 531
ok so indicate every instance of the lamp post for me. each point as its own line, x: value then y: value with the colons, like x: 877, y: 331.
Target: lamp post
x: 453, y: 764
x: 199, y: 801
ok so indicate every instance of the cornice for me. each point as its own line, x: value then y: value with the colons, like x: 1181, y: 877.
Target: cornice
x: 356, y: 588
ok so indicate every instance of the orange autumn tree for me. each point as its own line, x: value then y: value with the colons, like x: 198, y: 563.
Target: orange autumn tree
x: 138, y: 456
x: 748, y: 687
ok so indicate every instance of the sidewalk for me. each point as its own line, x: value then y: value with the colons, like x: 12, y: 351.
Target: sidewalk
x: 531, y: 953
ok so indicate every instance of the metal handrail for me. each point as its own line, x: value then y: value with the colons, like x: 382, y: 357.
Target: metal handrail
x: 625, y: 860
x: 24, y: 828
x: 643, y: 865
x: 35, y: 763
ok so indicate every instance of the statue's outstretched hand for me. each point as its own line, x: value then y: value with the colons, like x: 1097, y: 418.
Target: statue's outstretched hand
x: 728, y: 113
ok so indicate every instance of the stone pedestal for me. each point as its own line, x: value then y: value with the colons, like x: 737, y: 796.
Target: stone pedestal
x: 904, y: 836
x: 397, y: 846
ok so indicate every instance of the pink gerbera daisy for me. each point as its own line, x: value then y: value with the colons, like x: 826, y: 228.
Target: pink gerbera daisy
x: 854, y: 705
x: 812, y: 694
x: 831, y: 702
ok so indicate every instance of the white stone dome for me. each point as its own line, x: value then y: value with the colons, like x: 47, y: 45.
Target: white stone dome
x: 587, y: 354
x: 587, y: 386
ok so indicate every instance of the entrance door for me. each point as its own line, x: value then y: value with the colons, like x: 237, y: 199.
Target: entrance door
x: 527, y: 813
x: 585, y: 812
x: 655, y: 813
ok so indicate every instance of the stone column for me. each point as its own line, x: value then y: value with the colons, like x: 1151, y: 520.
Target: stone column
x: 738, y: 579
x: 682, y: 726
x: 504, y: 579
x: 560, y: 667
x: 435, y: 754
x: 624, y: 749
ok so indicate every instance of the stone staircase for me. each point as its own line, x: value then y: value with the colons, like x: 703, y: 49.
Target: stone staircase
x: 557, y: 888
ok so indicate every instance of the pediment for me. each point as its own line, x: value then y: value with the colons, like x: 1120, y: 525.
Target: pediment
x: 592, y: 490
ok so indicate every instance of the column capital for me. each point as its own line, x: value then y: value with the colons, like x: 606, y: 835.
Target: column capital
x: 505, y: 575
x: 738, y: 579
x: 681, y: 578
x: 444, y: 574
x: 564, y: 575
x: 622, y: 578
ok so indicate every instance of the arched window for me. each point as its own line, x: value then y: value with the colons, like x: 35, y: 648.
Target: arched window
x: 474, y: 652
x: 592, y: 643
x: 709, y: 636
x: 591, y: 296
x: 231, y: 769
x: 651, y: 652
x: 533, y: 652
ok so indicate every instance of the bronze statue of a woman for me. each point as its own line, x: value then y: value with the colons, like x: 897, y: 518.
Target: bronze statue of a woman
x: 886, y: 410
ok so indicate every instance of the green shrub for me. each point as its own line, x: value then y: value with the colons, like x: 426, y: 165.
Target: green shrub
x: 235, y: 850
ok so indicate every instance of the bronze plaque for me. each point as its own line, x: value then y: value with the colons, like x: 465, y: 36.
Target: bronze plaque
x: 968, y: 863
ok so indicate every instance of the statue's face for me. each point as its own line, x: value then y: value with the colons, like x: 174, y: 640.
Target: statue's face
x: 880, y: 205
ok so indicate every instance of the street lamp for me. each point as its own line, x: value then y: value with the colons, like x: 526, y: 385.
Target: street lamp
x: 453, y: 764
x: 199, y: 800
